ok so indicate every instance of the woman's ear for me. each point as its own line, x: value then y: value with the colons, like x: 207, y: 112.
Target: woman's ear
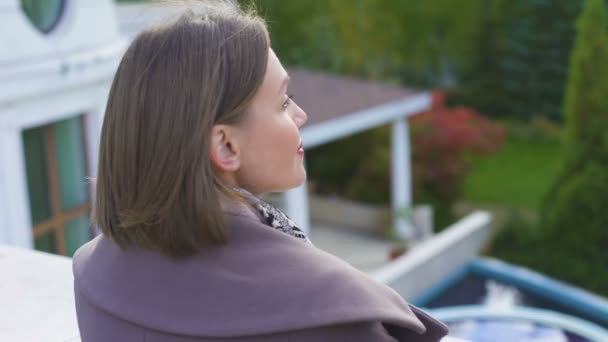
x: 224, y: 150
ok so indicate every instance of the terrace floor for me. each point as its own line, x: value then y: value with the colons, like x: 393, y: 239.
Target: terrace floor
x: 365, y: 252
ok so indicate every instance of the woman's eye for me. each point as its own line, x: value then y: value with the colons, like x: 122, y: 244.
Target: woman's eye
x: 287, y: 101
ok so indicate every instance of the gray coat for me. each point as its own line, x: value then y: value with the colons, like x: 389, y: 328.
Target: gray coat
x: 263, y: 285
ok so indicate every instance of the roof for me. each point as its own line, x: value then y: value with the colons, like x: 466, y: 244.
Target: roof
x: 326, y: 96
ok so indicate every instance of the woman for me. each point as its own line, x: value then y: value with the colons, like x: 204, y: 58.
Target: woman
x: 198, y: 123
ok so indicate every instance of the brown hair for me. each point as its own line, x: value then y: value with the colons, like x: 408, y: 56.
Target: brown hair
x: 156, y: 186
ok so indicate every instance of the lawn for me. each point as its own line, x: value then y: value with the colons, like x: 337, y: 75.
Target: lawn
x: 520, y: 174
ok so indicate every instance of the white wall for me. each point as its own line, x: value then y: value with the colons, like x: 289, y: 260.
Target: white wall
x: 45, y: 78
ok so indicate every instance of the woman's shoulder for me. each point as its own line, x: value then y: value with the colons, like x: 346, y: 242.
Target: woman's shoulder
x: 263, y: 281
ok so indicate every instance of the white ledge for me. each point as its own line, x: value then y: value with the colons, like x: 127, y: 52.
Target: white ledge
x: 429, y: 262
x: 37, y: 297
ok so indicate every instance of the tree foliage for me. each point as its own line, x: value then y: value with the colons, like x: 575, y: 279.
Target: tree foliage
x: 574, y: 214
x: 586, y: 105
x: 416, y: 42
x: 539, y: 39
x: 499, y: 56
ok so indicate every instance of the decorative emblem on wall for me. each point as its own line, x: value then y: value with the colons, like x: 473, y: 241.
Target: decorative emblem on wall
x: 43, y: 14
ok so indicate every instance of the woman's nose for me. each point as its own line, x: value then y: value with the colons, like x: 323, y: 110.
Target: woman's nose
x: 299, y: 116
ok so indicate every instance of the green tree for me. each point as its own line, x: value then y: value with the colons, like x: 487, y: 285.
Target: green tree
x: 573, y: 236
x: 535, y: 66
x: 419, y: 43
x: 586, y: 103
x: 482, y: 86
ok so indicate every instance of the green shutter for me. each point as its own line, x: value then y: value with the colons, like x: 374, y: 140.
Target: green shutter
x: 71, y: 169
x: 71, y: 163
x: 37, y: 180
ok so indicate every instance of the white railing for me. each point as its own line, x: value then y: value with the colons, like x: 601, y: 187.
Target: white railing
x: 431, y: 261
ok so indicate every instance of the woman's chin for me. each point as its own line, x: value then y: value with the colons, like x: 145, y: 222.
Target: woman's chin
x: 293, y: 185
x: 302, y: 179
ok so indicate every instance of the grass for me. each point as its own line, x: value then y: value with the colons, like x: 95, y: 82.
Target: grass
x: 520, y: 174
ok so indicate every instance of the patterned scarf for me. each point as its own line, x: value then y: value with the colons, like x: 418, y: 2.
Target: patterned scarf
x: 274, y: 217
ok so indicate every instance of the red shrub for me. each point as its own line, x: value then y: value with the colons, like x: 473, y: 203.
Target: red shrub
x: 443, y: 142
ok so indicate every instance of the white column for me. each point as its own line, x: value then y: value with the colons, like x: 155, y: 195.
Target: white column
x: 15, y: 222
x: 401, y: 182
x: 296, y: 207
x: 93, y: 122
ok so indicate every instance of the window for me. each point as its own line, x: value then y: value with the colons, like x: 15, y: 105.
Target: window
x: 43, y: 14
x: 58, y: 193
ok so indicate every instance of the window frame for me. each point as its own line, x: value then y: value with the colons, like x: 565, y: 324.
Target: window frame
x: 15, y: 212
x: 59, y: 218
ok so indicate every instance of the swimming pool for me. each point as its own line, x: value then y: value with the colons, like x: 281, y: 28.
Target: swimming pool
x: 522, y: 324
x: 490, y: 300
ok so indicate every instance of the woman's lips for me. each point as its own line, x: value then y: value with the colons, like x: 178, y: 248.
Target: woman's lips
x: 301, y: 149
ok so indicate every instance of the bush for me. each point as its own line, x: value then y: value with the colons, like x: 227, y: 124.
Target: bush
x: 574, y: 228
x: 514, y: 235
x: 564, y: 255
x: 444, y: 142
x: 571, y: 242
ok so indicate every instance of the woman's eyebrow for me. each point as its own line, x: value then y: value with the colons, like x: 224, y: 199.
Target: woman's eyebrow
x: 284, y: 83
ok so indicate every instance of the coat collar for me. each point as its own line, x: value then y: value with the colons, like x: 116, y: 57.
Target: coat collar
x: 263, y: 281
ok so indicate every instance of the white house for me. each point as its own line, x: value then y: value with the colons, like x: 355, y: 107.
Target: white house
x: 57, y: 59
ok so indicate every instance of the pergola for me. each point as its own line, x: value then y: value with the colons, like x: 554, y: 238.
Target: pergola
x: 338, y: 107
